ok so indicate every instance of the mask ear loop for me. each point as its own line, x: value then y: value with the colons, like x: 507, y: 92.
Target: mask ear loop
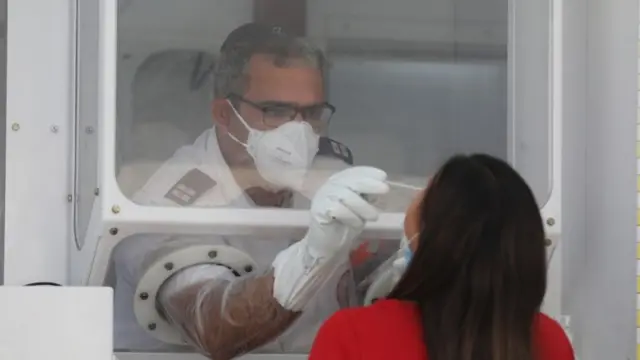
x: 406, y: 242
x: 237, y: 114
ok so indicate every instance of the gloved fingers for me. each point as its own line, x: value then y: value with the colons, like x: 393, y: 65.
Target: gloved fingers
x: 339, y: 212
x: 358, y: 205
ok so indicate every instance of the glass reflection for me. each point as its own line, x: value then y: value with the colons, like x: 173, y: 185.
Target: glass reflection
x: 230, y: 115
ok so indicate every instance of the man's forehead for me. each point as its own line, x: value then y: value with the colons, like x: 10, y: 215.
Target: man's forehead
x: 296, y: 83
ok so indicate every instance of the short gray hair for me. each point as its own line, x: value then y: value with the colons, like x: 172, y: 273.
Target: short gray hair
x: 230, y: 75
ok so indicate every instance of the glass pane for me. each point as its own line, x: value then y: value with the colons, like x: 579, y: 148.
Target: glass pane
x: 345, y: 288
x: 86, y: 116
x: 411, y: 85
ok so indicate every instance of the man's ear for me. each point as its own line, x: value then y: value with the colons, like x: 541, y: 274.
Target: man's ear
x: 221, y: 113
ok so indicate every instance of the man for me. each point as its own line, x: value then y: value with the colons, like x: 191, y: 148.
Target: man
x: 269, y: 112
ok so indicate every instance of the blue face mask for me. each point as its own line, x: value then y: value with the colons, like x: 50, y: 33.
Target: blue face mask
x: 407, y: 253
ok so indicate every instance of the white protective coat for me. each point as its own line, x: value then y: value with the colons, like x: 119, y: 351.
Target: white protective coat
x: 205, y: 156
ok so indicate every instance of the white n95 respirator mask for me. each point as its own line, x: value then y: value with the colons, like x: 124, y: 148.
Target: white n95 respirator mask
x: 283, y: 155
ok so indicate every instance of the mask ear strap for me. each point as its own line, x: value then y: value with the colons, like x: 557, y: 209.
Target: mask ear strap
x: 237, y: 113
x: 233, y: 137
x: 405, y: 241
x: 236, y: 139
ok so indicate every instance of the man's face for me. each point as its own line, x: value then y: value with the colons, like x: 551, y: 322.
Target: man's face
x: 296, y: 84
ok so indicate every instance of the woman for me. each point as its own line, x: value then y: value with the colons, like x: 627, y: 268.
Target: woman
x: 475, y: 282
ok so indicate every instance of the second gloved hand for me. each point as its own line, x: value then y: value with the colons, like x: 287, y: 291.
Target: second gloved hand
x: 339, y: 210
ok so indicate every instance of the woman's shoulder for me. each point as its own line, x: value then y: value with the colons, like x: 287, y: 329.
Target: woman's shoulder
x: 546, y: 326
x: 377, y: 326
x: 545, y: 323
x: 551, y: 340
x: 387, y: 311
x: 387, y: 329
x: 401, y: 311
x: 396, y: 314
x: 382, y: 306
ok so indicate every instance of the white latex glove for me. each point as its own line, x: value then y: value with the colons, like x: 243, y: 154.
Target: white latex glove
x: 338, y: 215
x: 339, y: 211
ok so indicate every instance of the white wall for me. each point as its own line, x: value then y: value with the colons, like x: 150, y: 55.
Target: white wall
x: 39, y: 133
x: 574, y: 235
x: 608, y: 331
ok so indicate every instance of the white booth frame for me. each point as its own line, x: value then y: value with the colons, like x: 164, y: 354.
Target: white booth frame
x: 115, y: 216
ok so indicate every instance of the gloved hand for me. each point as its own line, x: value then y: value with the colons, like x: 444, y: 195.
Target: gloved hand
x: 338, y: 215
x: 339, y: 211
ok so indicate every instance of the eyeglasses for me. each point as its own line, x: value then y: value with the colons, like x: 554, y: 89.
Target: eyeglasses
x: 275, y: 113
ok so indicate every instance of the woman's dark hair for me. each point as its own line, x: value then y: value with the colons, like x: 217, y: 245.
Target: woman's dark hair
x: 479, y: 272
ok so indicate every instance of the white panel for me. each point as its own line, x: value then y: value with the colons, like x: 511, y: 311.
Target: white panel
x: 56, y: 323
x: 39, y: 77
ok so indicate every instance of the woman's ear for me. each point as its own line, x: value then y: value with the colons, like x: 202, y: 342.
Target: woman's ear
x: 412, y: 219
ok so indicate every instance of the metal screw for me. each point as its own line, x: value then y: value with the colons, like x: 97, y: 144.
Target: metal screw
x: 547, y: 242
x: 54, y: 128
x: 152, y: 326
x: 168, y: 266
x: 144, y: 296
x: 212, y: 254
x: 551, y: 221
x: 96, y: 191
x: 115, y: 209
x: 15, y: 126
x: 113, y: 231
x: 248, y: 268
x: 88, y: 130
x: 69, y: 198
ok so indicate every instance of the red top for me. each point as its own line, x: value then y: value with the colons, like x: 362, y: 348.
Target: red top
x: 391, y: 329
